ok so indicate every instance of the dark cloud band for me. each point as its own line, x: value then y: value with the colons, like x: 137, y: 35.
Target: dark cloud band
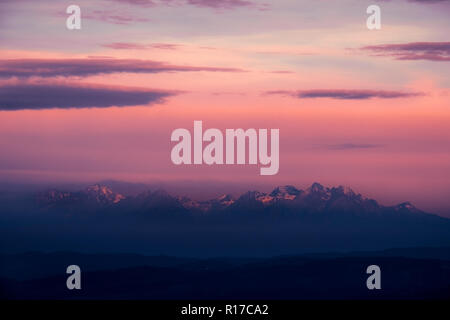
x: 432, y: 51
x: 65, y: 96
x: 346, y: 94
x: 88, y: 67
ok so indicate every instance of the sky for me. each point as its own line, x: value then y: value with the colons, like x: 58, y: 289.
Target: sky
x: 368, y: 109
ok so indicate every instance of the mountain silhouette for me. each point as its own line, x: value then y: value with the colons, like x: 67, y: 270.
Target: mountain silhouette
x: 284, y: 221
x: 316, y: 198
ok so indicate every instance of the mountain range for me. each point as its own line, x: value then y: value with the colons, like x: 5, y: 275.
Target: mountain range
x: 315, y: 199
x: 286, y: 220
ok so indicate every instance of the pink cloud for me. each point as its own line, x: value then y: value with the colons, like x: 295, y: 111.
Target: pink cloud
x: 345, y: 94
x: 113, y: 16
x: 216, y: 4
x: 432, y: 51
x: 138, y: 46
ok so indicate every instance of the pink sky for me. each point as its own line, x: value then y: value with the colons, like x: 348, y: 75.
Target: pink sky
x: 365, y: 109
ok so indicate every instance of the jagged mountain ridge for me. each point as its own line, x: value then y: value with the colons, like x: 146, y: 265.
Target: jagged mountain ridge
x: 98, y: 194
x: 283, y: 220
x: 316, y: 198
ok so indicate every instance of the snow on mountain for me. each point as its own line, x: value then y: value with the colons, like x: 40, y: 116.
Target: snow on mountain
x: 316, y: 198
x: 103, y: 194
x: 287, y: 192
x: 313, y: 195
x: 225, y: 200
x: 188, y: 203
x: 95, y: 193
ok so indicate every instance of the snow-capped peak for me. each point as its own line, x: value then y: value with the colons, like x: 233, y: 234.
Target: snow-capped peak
x: 99, y: 189
x: 102, y: 193
x: 225, y: 199
x: 287, y: 192
x: 406, y: 205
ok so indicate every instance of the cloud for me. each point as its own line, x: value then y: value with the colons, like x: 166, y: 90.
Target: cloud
x: 346, y: 94
x: 423, y: 1
x: 429, y: 1
x: 138, y: 46
x: 109, y: 15
x: 100, y: 57
x: 432, y: 51
x: 143, y: 3
x: 65, y: 96
x: 220, y: 4
x: 215, y: 4
x: 88, y: 67
x: 119, y: 18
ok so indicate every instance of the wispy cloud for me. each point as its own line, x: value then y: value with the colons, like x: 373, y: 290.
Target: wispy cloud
x: 113, y: 16
x: 429, y: 1
x: 222, y: 4
x: 352, y: 94
x: 215, y: 4
x: 432, y: 51
x: 143, y: 3
x: 422, y: 1
x: 139, y: 46
x: 65, y: 96
x: 88, y: 67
